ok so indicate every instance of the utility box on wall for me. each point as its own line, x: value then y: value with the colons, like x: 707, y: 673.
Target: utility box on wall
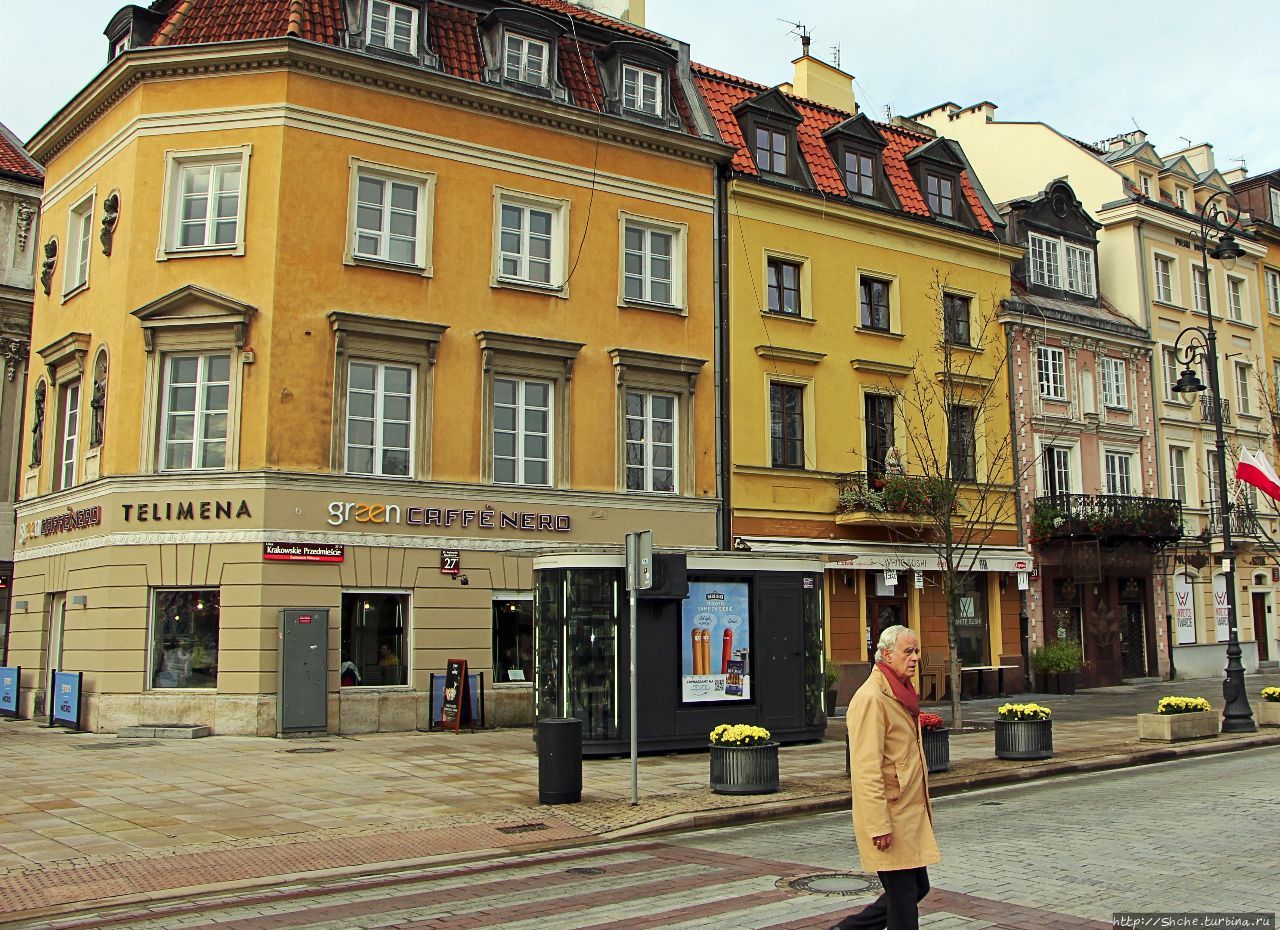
x: 302, y: 697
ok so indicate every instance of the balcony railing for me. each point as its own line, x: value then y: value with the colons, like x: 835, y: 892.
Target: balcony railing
x: 1244, y: 521
x: 1206, y: 408
x: 1106, y: 516
x: 861, y: 492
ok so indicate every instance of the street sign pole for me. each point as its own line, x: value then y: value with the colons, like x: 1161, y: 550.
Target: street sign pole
x: 639, y: 548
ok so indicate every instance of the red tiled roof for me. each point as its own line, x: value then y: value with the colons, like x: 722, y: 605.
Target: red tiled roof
x: 591, y: 16
x: 14, y: 160
x: 722, y: 92
x: 455, y: 39
x: 579, y: 75
x: 190, y: 22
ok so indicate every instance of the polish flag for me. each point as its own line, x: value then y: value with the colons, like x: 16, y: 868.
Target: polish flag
x: 1257, y: 471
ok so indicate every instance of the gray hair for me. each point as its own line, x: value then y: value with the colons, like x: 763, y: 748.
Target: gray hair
x: 889, y: 638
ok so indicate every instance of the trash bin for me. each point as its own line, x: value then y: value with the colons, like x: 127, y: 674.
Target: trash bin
x: 559, y: 760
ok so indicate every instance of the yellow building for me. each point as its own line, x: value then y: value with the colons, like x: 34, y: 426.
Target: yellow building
x: 357, y: 307
x: 857, y: 251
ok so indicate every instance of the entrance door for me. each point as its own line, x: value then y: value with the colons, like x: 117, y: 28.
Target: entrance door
x: 883, y: 612
x: 1260, y: 625
x: 57, y: 619
x: 1133, y: 627
x: 303, y: 695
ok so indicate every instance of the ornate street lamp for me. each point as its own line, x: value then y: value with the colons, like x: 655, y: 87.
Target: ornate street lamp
x: 1237, y: 715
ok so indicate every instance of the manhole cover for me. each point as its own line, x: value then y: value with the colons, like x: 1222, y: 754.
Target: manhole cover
x: 524, y: 828
x: 584, y: 870
x: 307, y: 749
x: 837, y: 884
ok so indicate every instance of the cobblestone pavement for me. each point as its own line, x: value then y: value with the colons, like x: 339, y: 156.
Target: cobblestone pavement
x: 88, y: 818
x: 1052, y: 855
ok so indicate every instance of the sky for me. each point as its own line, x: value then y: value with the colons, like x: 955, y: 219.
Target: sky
x: 1091, y: 69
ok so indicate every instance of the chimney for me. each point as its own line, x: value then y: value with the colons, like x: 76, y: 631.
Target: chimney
x: 1200, y: 156
x: 1235, y: 175
x: 823, y: 83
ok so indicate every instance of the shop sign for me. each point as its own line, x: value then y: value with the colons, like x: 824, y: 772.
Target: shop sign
x: 302, y: 552
x: 67, y: 688
x: 450, y: 561
x: 486, y: 518
x: 1023, y: 581
x: 1221, y: 608
x: 185, y: 510
x: 890, y: 577
x: 715, y: 614
x: 72, y: 519
x: 9, y: 678
x: 919, y: 579
x: 1184, y: 610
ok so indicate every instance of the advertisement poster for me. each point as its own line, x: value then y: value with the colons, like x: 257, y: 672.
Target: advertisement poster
x: 715, y: 650
x: 9, y: 691
x: 1184, y: 610
x: 66, y: 699
x: 1221, y: 608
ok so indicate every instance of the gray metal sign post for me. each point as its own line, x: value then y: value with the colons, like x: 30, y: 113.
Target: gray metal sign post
x: 639, y: 577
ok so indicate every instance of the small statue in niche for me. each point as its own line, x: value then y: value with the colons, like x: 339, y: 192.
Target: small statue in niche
x: 47, y: 266
x: 98, y: 406
x: 37, y: 426
x: 110, y: 216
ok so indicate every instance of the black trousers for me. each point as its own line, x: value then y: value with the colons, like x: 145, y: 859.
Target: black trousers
x: 896, y: 909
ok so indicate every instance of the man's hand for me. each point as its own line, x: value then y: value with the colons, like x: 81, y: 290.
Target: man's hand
x: 882, y: 842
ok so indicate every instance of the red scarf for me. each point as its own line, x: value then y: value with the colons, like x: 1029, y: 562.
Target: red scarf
x: 904, y: 692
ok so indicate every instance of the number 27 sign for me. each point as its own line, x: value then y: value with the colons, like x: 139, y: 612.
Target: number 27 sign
x: 450, y: 561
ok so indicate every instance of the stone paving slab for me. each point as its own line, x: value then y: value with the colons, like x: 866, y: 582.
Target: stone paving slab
x: 89, y: 817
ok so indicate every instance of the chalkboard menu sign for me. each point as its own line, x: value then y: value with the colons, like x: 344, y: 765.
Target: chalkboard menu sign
x: 455, y: 709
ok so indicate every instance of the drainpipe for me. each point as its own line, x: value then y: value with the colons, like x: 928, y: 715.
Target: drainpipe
x: 721, y: 348
x: 1155, y: 422
x: 1023, y: 620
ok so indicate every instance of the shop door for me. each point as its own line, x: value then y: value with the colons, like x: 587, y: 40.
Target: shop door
x: 1133, y: 629
x: 780, y: 667
x: 883, y: 612
x: 304, y: 671
x: 1102, y: 653
x: 57, y: 620
x: 1260, y: 625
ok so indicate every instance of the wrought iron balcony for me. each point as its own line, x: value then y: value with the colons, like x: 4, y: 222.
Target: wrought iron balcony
x: 1112, y: 517
x: 1244, y: 521
x: 1206, y: 408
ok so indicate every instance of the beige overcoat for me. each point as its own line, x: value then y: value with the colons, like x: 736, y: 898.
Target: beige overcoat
x: 890, y: 786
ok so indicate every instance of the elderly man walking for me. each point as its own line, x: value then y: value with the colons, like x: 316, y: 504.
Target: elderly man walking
x: 892, y: 819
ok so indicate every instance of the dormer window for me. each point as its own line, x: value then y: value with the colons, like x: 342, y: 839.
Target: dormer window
x: 771, y: 150
x: 1050, y: 257
x: 525, y: 60
x: 120, y: 46
x: 1275, y: 206
x: 939, y: 190
x: 1181, y: 194
x: 1145, y: 181
x: 393, y: 26
x: 641, y: 90
x: 859, y: 173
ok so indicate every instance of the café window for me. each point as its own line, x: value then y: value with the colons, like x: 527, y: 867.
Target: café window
x: 184, y: 638
x: 513, y: 639
x: 971, y: 622
x: 375, y: 642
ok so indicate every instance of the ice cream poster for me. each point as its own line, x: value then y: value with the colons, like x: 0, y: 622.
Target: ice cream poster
x: 715, y: 646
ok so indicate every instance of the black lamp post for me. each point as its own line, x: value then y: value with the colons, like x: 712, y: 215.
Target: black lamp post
x: 1237, y: 715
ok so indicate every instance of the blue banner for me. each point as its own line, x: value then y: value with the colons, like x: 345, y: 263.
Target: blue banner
x: 9, y: 678
x: 66, y: 699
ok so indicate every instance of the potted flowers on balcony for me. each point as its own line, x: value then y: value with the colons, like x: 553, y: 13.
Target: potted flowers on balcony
x: 1024, y: 731
x: 744, y: 760
x: 937, y: 743
x: 1269, y: 709
x: 1178, y: 718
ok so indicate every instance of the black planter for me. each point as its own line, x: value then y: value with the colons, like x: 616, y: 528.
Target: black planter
x: 832, y: 696
x: 1056, y: 682
x: 744, y: 769
x: 1024, y: 739
x: 937, y: 749
x: 1067, y: 682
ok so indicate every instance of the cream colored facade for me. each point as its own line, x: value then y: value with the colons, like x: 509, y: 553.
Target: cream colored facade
x: 1147, y: 204
x: 110, y: 529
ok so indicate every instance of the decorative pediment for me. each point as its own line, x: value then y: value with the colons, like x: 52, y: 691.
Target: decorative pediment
x: 772, y: 105
x: 940, y: 152
x: 494, y: 344
x: 859, y: 130
x: 1147, y: 155
x: 1213, y: 180
x: 193, y: 307
x: 1179, y: 166
x: 66, y: 353
x: 625, y: 360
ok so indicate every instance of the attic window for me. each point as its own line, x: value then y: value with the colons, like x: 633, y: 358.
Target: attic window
x: 1181, y: 194
x: 771, y: 150
x: 641, y: 90
x: 859, y: 173
x: 1145, y: 180
x: 120, y: 45
x: 939, y: 190
x: 525, y: 60
x: 393, y: 26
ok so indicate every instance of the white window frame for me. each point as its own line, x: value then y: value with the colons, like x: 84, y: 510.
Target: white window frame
x: 176, y: 163
x: 1178, y: 473
x: 1243, y: 373
x: 636, y: 95
x: 1051, y: 372
x: 1200, y: 295
x: 1080, y: 275
x: 520, y: 406
x: 1275, y: 205
x: 379, y: 420
x: 1071, y: 449
x: 1180, y: 195
x: 646, y: 444
x: 559, y: 211
x: 68, y: 434
x: 1172, y: 370
x: 1115, y: 383
x: 1113, y: 479
x: 1144, y: 181
x: 1272, y: 279
x: 520, y: 45
x: 1164, y: 281
x: 75, y: 277
x: 425, y: 184
x: 1044, y: 262
x: 1236, y: 299
x: 1275, y: 382
x: 807, y: 419
x: 1211, y: 480
x: 199, y: 412
x: 392, y: 9
x: 121, y: 45
x: 677, y: 282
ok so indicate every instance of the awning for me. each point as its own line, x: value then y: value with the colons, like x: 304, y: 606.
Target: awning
x: 840, y: 554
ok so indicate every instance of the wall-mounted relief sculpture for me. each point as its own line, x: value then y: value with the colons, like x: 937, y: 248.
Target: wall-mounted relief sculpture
x: 37, y: 425
x: 98, y: 402
x: 14, y: 353
x: 46, y: 267
x: 27, y: 210
x: 110, y: 217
